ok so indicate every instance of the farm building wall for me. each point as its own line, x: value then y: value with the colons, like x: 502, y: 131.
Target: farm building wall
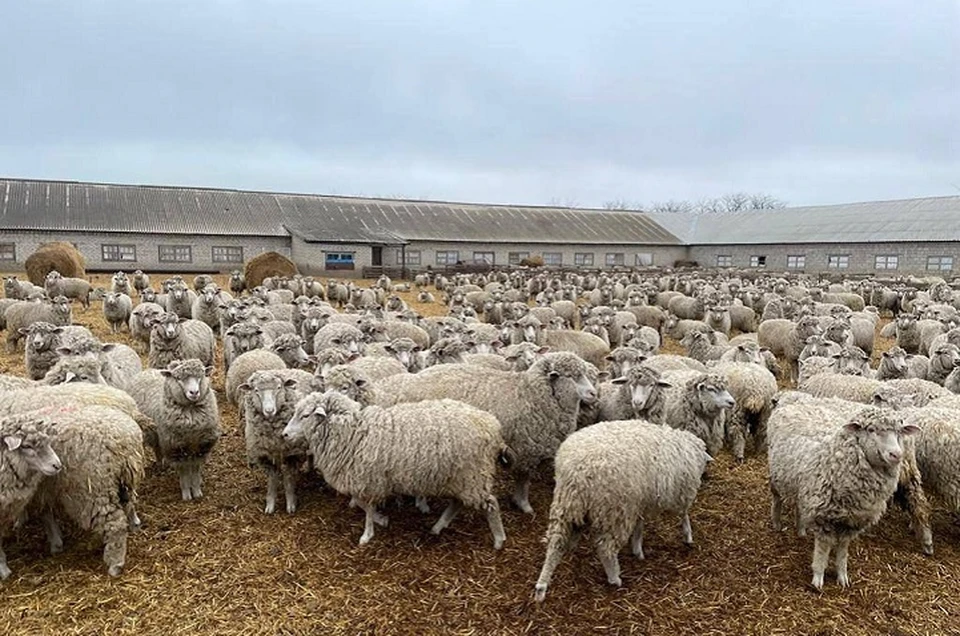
x: 311, y: 258
x: 420, y: 254
x: 850, y: 258
x: 181, y: 252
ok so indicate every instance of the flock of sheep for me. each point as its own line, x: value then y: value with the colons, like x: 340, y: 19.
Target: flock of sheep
x: 526, y: 369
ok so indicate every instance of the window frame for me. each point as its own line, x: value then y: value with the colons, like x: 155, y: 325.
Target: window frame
x: 758, y: 261
x: 514, y: 258
x: 583, y: 259
x: 482, y: 260
x: 842, y: 261
x: 613, y: 262
x: 799, y: 261
x: 175, y: 248
x: 8, y: 248
x: 445, y: 260
x: 940, y: 263
x: 548, y: 257
x: 886, y: 259
x: 335, y: 260
x: 406, y: 257
x: 638, y: 260
x: 120, y: 249
x: 724, y: 260
x: 227, y: 249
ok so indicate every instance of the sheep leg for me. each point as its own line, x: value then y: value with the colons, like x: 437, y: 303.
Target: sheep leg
x: 196, y: 478
x: 368, y: 529
x: 5, y: 571
x: 521, y: 493
x: 841, y: 558
x: 685, y: 530
x: 133, y: 519
x: 822, y: 546
x: 273, y: 480
x: 452, y: 509
x: 492, y: 509
x: 183, y: 471
x: 290, y: 487
x: 52, y: 530
x: 611, y: 564
x: 776, y: 508
x: 422, y: 505
x: 636, y: 541
x: 914, y: 500
x: 115, y: 539
x: 559, y: 537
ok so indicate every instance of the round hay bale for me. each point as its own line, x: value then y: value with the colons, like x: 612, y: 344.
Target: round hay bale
x: 58, y: 255
x: 267, y: 264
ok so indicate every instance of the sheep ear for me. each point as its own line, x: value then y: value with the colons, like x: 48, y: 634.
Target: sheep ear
x: 320, y: 411
x: 620, y: 380
x: 64, y: 351
x: 389, y: 347
x: 662, y: 384
x: 108, y: 347
x: 360, y: 382
x: 23, y: 331
x: 208, y: 371
x: 165, y: 372
x: 910, y: 429
x: 69, y: 376
x: 13, y: 442
x: 290, y: 383
x: 855, y: 426
x: 244, y: 387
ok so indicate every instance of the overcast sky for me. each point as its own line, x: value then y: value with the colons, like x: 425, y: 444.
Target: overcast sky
x: 814, y: 101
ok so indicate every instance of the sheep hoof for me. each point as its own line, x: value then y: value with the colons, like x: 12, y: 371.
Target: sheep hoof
x: 381, y: 519
x: 115, y: 570
x: 5, y: 572
x: 615, y: 581
x: 269, y: 508
x: 365, y: 538
x: 540, y: 592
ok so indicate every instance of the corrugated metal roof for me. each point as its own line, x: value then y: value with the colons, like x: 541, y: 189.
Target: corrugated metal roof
x: 903, y: 220
x: 74, y: 206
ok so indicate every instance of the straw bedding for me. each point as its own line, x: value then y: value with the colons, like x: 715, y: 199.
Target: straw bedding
x: 221, y: 566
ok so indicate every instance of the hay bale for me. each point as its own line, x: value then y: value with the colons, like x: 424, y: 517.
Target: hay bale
x: 267, y: 264
x: 58, y: 255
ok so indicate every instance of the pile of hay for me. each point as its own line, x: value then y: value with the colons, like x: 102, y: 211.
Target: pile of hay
x: 267, y: 264
x: 58, y: 255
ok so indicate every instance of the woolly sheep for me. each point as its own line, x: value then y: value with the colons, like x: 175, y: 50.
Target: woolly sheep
x: 699, y: 348
x: 246, y: 365
x: 696, y: 402
x: 174, y: 339
x: 140, y: 280
x: 753, y: 388
x: 141, y: 321
x: 943, y: 359
x: 120, y: 284
x: 537, y: 408
x: 351, y: 381
x: 612, y: 478
x: 74, y: 288
x: 341, y: 336
x: 434, y: 448
x: 206, y: 306
x: 180, y: 300
x: 116, y: 310
x: 840, y: 471
x: 42, y: 340
x: 786, y: 339
x: 22, y: 314
x: 184, y: 410
x: 639, y: 393
x: 26, y: 457
x: 290, y: 349
x: 269, y: 401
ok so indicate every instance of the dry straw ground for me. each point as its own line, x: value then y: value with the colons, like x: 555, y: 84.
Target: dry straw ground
x: 220, y: 566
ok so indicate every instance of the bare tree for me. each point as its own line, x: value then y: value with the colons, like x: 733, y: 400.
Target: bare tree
x: 726, y: 204
x: 671, y: 206
x: 622, y: 204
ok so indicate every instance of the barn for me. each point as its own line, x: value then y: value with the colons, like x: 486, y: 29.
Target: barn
x: 161, y: 228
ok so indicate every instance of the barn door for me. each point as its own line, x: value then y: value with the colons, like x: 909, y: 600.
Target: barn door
x: 377, y: 257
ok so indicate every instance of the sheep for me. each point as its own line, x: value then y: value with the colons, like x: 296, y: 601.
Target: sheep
x: 753, y: 388
x: 622, y: 359
x: 744, y: 351
x: 613, y: 477
x: 75, y: 288
x: 742, y: 319
x: 183, y: 407
x: 839, y: 469
x: 718, y: 318
x: 639, y: 393
x: 378, y: 367
x: 200, y: 282
x: 239, y: 339
x: 26, y: 457
x: 440, y: 448
x: 206, y: 306
x: 676, y: 328
x: 943, y: 359
x: 351, y: 381
x: 245, y: 365
x: 290, y: 349
x: 117, y: 309
x: 269, y: 400
x: 120, y: 284
x: 74, y: 369
x: 696, y: 402
x: 537, y: 408
x: 17, y: 289
x: 141, y: 321
x: 341, y: 336
x: 180, y: 300
x: 587, y: 346
x: 895, y: 363
x: 21, y: 315
x: 42, y: 341
x: 237, y: 282
x: 445, y: 351
x: 425, y: 297
x: 664, y: 362
x: 699, y: 347
x: 786, y: 338
x: 174, y: 339
x: 686, y: 308
x: 936, y: 451
x: 141, y: 281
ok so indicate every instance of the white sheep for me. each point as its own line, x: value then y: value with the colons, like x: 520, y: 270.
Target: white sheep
x: 116, y: 310
x: 696, y: 402
x: 172, y: 338
x: 612, y: 478
x: 246, y: 365
x: 753, y: 388
x: 434, y: 448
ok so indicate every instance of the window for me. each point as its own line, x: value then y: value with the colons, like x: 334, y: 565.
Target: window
x: 758, y: 261
x: 483, y: 258
x: 514, y: 258
x: 838, y: 261
x: 724, y: 260
x: 119, y: 252
x: 887, y: 261
x: 644, y: 260
x: 449, y: 257
x: 613, y: 259
x: 174, y: 254
x: 553, y: 258
x: 338, y: 260
x: 227, y: 254
x: 412, y: 257
x: 583, y: 258
x: 934, y: 263
x: 8, y: 252
x: 796, y: 262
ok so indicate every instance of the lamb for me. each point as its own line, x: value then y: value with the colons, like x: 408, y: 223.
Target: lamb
x: 537, y: 408
x: 269, y: 400
x: 172, y: 339
x: 245, y: 365
x: 639, y: 393
x: 117, y: 309
x: 613, y: 477
x: 183, y: 407
x: 74, y: 288
x: 21, y: 315
x: 26, y: 456
x: 841, y: 470
x: 785, y: 338
x: 696, y: 402
x: 120, y: 284
x: 435, y: 448
x: 341, y: 336
x: 141, y: 321
x: 753, y: 388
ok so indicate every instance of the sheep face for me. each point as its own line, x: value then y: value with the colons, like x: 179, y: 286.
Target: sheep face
x: 246, y: 337
x: 187, y: 381
x: 28, y: 445
x: 879, y: 434
x: 40, y: 336
x: 290, y: 349
x: 167, y: 327
x: 404, y: 350
x: 268, y: 392
x: 713, y: 394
